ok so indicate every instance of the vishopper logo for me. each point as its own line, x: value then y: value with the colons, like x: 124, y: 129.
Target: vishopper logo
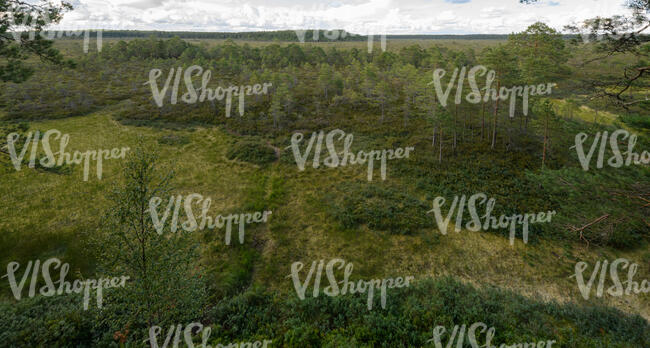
x: 328, y: 34
x: 602, y: 29
x: 176, y: 331
x: 489, y: 221
x: 191, y: 96
x: 48, y: 161
x: 361, y: 286
x: 347, y: 157
x: 458, y: 335
x: 50, y: 34
x: 618, y: 288
x: 491, y: 94
x: 370, y: 30
x: 618, y: 159
x: 191, y: 224
x: 49, y: 288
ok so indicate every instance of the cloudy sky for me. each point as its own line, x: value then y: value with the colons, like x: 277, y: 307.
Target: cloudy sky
x: 358, y: 16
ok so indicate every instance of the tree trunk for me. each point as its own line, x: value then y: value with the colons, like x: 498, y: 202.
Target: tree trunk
x: 440, y: 141
x: 496, y: 112
x: 545, y: 141
x: 433, y: 118
x: 464, y: 126
x: 433, y: 142
x: 526, y: 125
x: 483, y: 123
x: 471, y: 126
x: 406, y: 110
x: 455, y: 131
x: 510, y: 131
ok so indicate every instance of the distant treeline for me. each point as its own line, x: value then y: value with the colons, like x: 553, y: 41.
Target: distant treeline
x: 281, y: 35
x: 292, y: 35
x: 286, y: 35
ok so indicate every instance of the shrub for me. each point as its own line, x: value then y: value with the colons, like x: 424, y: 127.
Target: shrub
x: 412, y: 313
x: 174, y: 139
x: 343, y: 321
x: 609, y: 191
x: 380, y: 208
x: 635, y: 120
x: 252, y: 152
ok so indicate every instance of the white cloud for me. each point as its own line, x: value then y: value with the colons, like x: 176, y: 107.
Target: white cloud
x: 360, y: 16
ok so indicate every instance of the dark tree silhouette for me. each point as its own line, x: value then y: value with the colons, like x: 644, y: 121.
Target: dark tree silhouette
x: 21, y: 36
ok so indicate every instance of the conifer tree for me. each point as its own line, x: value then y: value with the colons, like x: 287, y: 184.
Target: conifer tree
x: 22, y: 35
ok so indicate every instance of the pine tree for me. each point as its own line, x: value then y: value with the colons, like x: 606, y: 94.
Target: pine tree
x: 544, y: 108
x: 16, y: 47
x: 503, y: 62
x: 279, y: 104
x: 542, y: 54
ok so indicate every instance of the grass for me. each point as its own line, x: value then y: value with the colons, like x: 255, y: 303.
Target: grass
x: 45, y: 215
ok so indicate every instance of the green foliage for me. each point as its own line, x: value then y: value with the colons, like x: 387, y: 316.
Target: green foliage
x: 233, y: 277
x: 252, y: 151
x: 615, y: 37
x: 542, y: 53
x: 174, y: 139
x: 21, y: 129
x: 609, y: 193
x: 265, y: 193
x: 18, y: 15
x: 164, y: 286
x: 277, y: 35
x: 344, y: 321
x: 380, y: 208
x: 636, y: 120
x: 58, y: 321
x: 413, y: 312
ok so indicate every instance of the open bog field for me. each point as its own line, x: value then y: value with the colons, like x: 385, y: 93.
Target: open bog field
x: 355, y: 158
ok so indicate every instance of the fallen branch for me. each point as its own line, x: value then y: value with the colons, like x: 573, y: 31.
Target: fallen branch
x: 566, y: 182
x: 639, y: 196
x: 581, y: 229
x: 591, y: 223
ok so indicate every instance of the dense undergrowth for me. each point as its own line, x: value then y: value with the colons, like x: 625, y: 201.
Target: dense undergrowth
x: 344, y: 321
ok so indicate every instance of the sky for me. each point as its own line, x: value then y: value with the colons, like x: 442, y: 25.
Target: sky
x: 356, y: 16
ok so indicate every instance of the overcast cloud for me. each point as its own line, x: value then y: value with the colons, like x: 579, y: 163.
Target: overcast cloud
x: 358, y: 16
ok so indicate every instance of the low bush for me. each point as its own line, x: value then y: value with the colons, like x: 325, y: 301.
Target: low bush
x: 636, y: 120
x: 252, y: 152
x: 343, y: 321
x: 380, y: 208
x: 174, y: 139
